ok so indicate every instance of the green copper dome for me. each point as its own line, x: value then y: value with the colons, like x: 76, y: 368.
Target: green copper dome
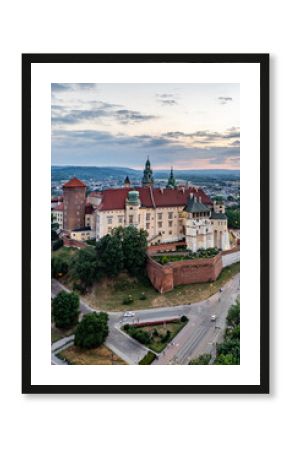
x: 133, y: 197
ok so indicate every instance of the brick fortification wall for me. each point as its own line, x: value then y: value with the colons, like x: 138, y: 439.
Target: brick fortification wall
x: 165, y: 278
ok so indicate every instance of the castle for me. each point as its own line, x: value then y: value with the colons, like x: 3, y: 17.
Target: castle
x: 171, y: 214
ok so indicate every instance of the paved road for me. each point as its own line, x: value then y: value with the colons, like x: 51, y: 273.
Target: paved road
x: 198, y: 336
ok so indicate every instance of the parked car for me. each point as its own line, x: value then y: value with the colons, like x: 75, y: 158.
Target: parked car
x: 213, y: 318
x: 129, y: 314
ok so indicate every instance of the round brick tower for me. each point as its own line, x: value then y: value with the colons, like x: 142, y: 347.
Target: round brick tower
x: 74, y: 203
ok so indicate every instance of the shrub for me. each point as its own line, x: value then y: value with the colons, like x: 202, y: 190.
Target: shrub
x: 143, y: 296
x: 92, y: 330
x: 166, y: 337
x: 141, y: 336
x: 126, y: 327
x: 148, y: 359
x: 128, y: 300
x: 184, y: 319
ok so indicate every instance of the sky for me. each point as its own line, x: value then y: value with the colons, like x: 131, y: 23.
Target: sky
x: 187, y: 126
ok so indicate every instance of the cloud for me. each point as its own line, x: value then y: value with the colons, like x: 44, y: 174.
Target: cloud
x: 205, y: 136
x: 125, y: 116
x: 166, y: 99
x: 225, y: 100
x: 99, y: 110
x: 60, y: 87
x: 104, y: 148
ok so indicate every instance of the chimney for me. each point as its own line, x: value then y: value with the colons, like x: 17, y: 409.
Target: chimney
x: 162, y: 190
x: 199, y: 199
x: 191, y: 195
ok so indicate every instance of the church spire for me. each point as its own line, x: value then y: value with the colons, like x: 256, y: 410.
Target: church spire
x: 171, y: 183
x: 147, y: 179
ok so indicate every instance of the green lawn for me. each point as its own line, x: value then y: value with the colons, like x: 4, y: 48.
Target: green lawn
x: 109, y: 294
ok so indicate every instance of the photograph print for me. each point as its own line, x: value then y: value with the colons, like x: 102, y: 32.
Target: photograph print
x: 145, y: 223
x: 145, y: 169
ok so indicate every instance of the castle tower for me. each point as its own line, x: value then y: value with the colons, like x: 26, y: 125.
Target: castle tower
x: 132, y: 215
x: 127, y: 182
x: 171, y: 183
x: 74, y: 202
x: 147, y: 179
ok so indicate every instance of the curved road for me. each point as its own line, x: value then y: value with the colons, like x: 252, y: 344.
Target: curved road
x: 200, y: 335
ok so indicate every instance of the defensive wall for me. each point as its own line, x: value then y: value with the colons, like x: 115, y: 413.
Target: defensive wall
x: 165, y: 277
x: 201, y: 270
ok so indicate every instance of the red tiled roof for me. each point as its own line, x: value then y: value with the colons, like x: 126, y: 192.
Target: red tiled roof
x: 115, y: 198
x: 74, y: 182
x: 58, y: 207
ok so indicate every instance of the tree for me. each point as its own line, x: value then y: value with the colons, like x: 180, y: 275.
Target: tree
x: 233, y: 317
x: 92, y: 330
x: 110, y: 253
x: 59, y: 265
x: 233, y: 218
x: 84, y: 266
x: 202, y: 360
x: 65, y: 309
x: 134, y: 248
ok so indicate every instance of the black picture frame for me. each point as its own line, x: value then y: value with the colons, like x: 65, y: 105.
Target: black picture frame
x: 27, y: 61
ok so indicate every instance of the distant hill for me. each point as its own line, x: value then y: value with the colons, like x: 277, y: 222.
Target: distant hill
x: 59, y: 173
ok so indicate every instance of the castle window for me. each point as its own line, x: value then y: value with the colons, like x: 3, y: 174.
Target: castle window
x: 170, y: 215
x: 170, y: 223
x: 147, y: 216
x: 120, y: 219
x: 110, y: 220
x: 130, y: 219
x: 159, y: 216
x: 170, y: 232
x: 147, y: 226
x: 160, y: 224
x: 109, y: 230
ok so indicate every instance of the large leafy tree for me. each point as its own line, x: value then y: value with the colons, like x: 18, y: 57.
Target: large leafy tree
x: 110, y: 255
x: 84, y: 266
x: 134, y: 248
x: 92, y: 330
x: 65, y: 309
x: 59, y: 265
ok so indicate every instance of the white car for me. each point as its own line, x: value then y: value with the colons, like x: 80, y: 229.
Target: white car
x: 129, y: 314
x: 213, y: 318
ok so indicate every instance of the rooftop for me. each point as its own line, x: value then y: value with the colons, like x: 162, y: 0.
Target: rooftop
x: 151, y: 197
x: 219, y: 216
x: 82, y: 229
x: 74, y: 182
